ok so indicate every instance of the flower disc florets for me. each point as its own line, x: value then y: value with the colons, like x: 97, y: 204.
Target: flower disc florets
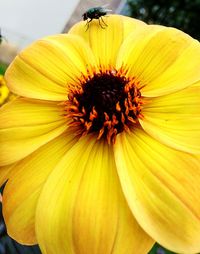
x: 106, y: 103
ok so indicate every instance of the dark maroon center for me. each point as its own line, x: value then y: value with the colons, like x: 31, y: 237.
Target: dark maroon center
x: 106, y: 94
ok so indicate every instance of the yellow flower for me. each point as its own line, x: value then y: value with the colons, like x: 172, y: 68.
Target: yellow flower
x: 5, y: 94
x: 102, y: 148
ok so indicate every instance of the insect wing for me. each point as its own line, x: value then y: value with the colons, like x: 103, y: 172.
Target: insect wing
x: 105, y: 9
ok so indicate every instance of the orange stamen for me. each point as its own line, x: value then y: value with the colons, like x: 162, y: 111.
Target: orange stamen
x: 118, y: 108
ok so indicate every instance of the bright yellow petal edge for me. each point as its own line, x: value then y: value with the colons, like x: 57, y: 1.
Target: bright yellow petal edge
x: 89, y: 194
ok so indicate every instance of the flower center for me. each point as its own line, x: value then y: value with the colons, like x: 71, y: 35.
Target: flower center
x: 106, y: 103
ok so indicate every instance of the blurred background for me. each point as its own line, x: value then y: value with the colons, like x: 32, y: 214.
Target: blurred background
x: 22, y: 22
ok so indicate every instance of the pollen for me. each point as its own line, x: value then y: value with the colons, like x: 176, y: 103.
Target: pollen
x: 106, y: 103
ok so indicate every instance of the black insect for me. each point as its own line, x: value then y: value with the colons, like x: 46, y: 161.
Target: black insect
x: 95, y: 13
x: 1, y: 37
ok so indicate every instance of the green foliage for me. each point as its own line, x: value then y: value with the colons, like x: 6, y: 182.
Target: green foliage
x: 182, y: 14
x: 3, y: 68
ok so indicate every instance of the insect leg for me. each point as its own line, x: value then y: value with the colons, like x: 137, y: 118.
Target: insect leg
x: 103, y: 21
x: 87, y: 24
x: 100, y: 23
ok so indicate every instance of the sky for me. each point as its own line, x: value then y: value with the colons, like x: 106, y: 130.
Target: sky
x: 23, y: 21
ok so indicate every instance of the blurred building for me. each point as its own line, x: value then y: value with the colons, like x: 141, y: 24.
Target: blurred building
x: 8, y: 51
x: 22, y: 21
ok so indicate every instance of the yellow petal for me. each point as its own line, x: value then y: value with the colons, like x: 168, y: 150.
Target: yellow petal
x: 162, y: 60
x: 24, y: 186
x: 105, y: 43
x: 45, y: 69
x: 161, y: 186
x: 196, y: 84
x: 4, y: 92
x: 26, y: 125
x: 87, y: 212
x: 175, y: 119
x: 4, y: 173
